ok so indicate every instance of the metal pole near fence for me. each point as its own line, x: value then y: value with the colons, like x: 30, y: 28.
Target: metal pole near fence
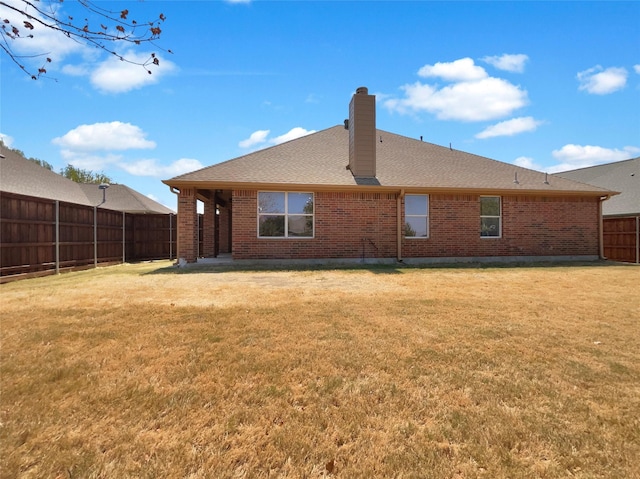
x: 95, y: 236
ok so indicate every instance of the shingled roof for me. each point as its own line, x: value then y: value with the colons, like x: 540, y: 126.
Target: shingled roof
x: 123, y: 198
x: 622, y: 176
x: 24, y: 177
x: 319, y: 161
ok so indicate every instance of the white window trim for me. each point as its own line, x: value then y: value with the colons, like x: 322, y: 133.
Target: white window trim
x: 286, y: 216
x: 427, y: 216
x: 492, y: 216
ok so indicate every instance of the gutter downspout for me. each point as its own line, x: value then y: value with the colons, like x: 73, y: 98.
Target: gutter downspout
x: 399, y: 221
x: 601, y: 226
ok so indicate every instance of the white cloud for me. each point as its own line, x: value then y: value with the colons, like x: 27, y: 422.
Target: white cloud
x: 526, y: 162
x: 79, y: 146
x: 292, y: 134
x: 636, y: 68
x: 472, y: 95
x: 599, y: 81
x: 482, y: 100
x: 7, y: 140
x: 260, y: 137
x: 459, y: 70
x: 116, y: 76
x: 46, y: 42
x: 510, y: 127
x: 105, y: 136
x: 151, y: 167
x: 510, y: 63
x: 572, y: 157
x: 76, y: 70
x: 256, y: 138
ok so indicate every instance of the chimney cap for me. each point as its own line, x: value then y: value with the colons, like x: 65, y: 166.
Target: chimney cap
x: 363, y: 90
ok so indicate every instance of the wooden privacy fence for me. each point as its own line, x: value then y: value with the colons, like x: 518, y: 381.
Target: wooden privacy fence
x: 40, y: 236
x: 621, y: 238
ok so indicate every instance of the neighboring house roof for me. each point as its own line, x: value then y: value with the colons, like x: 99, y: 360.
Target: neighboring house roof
x: 319, y: 160
x: 123, y: 198
x: 24, y: 177
x: 622, y: 176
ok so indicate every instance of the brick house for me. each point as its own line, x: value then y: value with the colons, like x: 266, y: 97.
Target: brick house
x: 356, y: 192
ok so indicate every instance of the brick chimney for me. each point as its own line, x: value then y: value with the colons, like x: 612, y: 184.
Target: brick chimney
x: 362, y: 134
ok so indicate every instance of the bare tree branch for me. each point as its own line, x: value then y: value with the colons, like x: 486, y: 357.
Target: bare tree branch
x: 103, y: 29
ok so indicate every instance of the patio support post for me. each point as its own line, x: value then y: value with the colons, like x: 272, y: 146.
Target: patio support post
x: 209, y: 227
x: 187, y: 225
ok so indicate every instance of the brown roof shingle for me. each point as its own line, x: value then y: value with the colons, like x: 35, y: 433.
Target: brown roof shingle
x: 320, y: 160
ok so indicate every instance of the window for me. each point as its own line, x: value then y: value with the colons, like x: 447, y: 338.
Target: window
x: 285, y: 215
x: 490, y: 216
x: 416, y: 216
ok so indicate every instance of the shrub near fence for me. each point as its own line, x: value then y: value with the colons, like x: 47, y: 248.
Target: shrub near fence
x: 40, y: 236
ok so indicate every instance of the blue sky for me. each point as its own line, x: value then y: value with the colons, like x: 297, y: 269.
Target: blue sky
x: 545, y: 85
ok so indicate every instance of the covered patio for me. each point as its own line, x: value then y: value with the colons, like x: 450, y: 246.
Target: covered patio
x: 216, y: 227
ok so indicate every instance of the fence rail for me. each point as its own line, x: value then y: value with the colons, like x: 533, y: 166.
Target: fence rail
x: 40, y: 236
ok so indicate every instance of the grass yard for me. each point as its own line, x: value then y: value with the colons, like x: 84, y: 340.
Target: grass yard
x: 145, y: 371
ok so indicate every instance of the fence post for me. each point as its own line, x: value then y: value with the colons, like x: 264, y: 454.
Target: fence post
x: 95, y: 236
x: 124, y: 220
x: 170, y: 236
x: 638, y: 239
x: 57, y: 236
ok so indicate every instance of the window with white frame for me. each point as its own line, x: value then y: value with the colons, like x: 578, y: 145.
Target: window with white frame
x: 490, y: 216
x: 285, y: 215
x: 416, y: 216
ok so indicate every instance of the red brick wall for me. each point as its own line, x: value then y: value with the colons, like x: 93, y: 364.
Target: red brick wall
x: 347, y: 225
x: 531, y: 226
x: 357, y: 225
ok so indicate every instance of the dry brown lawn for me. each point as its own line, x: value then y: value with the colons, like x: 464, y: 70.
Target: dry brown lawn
x: 494, y: 372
